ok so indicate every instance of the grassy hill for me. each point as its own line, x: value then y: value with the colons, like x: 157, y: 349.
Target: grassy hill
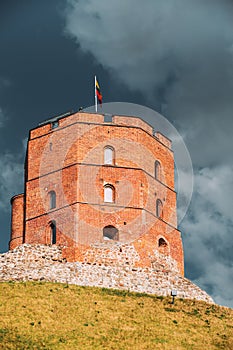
x: 36, y: 315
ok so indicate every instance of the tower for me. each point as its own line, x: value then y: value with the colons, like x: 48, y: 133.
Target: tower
x: 99, y: 181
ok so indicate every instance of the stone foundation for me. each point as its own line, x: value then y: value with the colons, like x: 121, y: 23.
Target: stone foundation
x: 46, y: 263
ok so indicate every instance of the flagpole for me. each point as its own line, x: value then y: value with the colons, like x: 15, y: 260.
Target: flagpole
x: 95, y: 97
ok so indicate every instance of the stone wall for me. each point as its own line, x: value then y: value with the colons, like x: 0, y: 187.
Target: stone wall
x: 46, y: 263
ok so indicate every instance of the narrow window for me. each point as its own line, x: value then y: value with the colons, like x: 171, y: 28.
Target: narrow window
x: 159, y: 208
x: 53, y: 232
x: 109, y: 193
x: 108, y: 155
x: 110, y: 232
x: 157, y: 170
x: 52, y: 200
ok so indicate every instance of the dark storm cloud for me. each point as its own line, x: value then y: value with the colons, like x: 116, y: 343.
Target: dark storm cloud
x: 11, y: 172
x: 180, y: 52
x: 42, y: 74
x: 4, y: 83
x: 2, y: 118
x: 182, y: 48
x: 208, y: 235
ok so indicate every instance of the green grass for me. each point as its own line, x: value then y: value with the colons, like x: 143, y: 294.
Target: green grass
x: 36, y: 315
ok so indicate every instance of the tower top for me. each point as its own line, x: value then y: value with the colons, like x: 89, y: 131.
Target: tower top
x: 68, y: 118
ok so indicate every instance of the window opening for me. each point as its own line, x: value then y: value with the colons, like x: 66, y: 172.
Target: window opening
x: 163, y: 246
x: 52, y: 200
x: 157, y: 170
x: 108, y: 155
x: 110, y: 233
x: 159, y: 208
x: 162, y: 242
x: 53, y: 232
x: 109, y: 193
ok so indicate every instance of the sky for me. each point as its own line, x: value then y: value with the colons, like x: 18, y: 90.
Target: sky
x: 173, y: 56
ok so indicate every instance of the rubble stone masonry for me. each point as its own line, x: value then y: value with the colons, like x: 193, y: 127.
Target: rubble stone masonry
x: 46, y: 263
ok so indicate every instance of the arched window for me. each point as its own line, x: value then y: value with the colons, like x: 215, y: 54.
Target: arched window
x: 159, y: 208
x: 109, y: 155
x: 53, y: 230
x: 109, y: 193
x: 52, y: 200
x: 157, y: 170
x: 110, y: 232
x: 162, y: 242
x: 163, y: 246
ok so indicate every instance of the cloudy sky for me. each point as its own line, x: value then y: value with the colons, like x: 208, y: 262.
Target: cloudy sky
x: 173, y: 56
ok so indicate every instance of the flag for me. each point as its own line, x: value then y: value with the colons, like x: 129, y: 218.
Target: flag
x: 98, y: 92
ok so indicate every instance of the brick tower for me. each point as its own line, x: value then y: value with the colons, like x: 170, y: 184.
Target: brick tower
x: 99, y: 185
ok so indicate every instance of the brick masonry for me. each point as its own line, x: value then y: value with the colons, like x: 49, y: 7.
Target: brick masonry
x: 68, y: 158
x: 119, y: 270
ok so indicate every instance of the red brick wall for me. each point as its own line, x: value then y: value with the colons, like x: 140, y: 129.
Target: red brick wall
x: 70, y: 161
x: 17, y: 221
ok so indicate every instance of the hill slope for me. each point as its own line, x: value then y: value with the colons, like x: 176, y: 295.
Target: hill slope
x: 43, y: 262
x: 40, y: 315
